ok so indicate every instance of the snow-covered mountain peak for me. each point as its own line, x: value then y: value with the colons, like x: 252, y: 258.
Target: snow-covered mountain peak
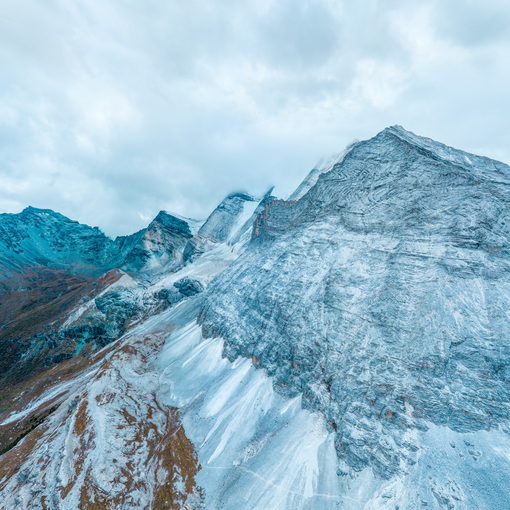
x: 347, y: 348
x: 231, y: 221
x: 371, y: 294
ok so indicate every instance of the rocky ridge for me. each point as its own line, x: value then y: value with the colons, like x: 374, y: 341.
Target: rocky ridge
x: 381, y: 296
x: 347, y: 348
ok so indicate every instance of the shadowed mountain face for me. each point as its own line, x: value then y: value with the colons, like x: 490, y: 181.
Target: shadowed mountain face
x: 40, y: 237
x: 346, y: 348
x: 46, y: 238
x: 158, y: 246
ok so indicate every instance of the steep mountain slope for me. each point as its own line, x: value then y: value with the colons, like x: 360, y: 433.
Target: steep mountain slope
x: 157, y: 247
x: 381, y: 296
x: 104, y: 441
x: 34, y: 306
x: 350, y: 350
x: 57, y: 302
x: 221, y: 226
x: 41, y: 237
x: 51, y: 264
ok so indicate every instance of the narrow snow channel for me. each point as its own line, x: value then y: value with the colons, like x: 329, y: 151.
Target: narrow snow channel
x: 257, y: 450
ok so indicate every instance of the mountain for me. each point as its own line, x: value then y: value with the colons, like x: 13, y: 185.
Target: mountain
x: 345, y: 348
x: 51, y: 265
x: 404, y: 284
x: 45, y: 238
x: 222, y: 225
x: 67, y: 290
x: 41, y: 237
x: 159, y: 246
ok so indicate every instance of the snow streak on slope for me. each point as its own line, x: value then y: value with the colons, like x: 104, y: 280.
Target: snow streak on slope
x: 367, y: 357
x: 257, y: 450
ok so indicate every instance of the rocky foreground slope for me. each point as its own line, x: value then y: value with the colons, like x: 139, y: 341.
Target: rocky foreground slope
x: 346, y: 348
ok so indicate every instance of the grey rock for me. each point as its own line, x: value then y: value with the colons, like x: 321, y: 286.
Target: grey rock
x: 381, y: 296
x: 174, y: 297
x: 188, y: 286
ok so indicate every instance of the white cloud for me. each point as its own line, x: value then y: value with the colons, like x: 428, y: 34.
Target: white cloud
x: 378, y: 83
x: 110, y: 111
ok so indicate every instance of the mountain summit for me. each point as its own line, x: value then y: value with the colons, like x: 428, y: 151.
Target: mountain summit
x: 382, y: 295
x: 346, y: 348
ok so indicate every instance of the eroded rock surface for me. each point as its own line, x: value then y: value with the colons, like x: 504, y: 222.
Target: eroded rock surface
x: 382, y: 296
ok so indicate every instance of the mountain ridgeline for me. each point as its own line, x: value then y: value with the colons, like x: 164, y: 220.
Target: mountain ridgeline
x: 382, y: 294
x: 41, y: 237
x: 348, y: 347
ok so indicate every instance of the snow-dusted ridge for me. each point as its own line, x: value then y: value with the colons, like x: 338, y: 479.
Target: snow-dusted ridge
x: 381, y: 296
x: 350, y: 351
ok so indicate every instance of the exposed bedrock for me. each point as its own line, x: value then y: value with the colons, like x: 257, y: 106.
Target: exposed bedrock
x: 381, y: 295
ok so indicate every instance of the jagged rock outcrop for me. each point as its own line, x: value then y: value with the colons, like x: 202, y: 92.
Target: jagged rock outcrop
x: 347, y: 348
x: 381, y: 296
x: 181, y: 289
x: 222, y: 225
x: 188, y: 286
x: 159, y: 246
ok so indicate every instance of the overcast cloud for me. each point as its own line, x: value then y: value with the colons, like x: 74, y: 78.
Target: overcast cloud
x: 113, y: 110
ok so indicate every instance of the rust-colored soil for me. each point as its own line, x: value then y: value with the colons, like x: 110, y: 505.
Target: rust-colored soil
x: 164, y: 446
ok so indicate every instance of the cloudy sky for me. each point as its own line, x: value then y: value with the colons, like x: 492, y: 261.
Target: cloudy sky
x: 111, y: 110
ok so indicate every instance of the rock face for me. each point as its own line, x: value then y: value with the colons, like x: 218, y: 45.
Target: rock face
x: 381, y: 296
x: 158, y: 246
x: 222, y: 225
x: 323, y: 166
x: 41, y: 237
x: 347, y: 348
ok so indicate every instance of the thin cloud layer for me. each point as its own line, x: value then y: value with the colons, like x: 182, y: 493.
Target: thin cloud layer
x: 111, y: 111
